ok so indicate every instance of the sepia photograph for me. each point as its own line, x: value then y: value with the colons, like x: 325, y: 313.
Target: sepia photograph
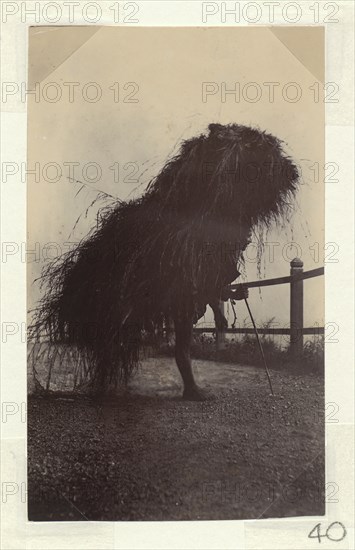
x: 175, y: 273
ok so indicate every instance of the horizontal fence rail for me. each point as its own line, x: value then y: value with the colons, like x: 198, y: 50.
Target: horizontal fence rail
x: 277, y: 331
x: 296, y: 330
x: 282, y: 280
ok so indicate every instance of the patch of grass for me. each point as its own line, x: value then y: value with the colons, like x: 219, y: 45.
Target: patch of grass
x: 246, y: 351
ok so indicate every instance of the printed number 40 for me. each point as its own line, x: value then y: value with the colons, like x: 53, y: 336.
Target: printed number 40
x: 336, y: 537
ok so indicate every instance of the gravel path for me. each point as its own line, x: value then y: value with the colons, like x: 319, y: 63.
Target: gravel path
x: 149, y: 455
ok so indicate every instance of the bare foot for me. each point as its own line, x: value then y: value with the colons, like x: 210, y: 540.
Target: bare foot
x: 195, y: 394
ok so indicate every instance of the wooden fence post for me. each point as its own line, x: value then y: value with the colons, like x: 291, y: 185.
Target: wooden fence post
x: 296, y: 307
x: 220, y: 334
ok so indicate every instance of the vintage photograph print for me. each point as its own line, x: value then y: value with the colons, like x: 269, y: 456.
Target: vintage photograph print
x: 175, y: 184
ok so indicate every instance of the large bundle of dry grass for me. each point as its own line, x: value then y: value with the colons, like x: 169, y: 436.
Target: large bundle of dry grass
x: 151, y: 256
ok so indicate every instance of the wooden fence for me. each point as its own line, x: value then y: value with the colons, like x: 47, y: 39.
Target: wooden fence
x: 296, y: 331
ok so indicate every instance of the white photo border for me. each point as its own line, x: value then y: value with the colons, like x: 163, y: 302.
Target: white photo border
x: 17, y: 532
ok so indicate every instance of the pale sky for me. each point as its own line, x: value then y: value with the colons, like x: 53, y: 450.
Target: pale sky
x: 168, y: 67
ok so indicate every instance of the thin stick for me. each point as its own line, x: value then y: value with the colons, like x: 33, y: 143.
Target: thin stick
x: 260, y: 346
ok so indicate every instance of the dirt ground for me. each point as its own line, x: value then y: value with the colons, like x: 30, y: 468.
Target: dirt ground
x: 149, y: 455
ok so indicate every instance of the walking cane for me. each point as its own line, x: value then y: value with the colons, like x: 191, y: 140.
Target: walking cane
x: 260, y: 346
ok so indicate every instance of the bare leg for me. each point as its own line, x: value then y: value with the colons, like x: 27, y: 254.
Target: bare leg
x: 219, y: 319
x: 183, y: 337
